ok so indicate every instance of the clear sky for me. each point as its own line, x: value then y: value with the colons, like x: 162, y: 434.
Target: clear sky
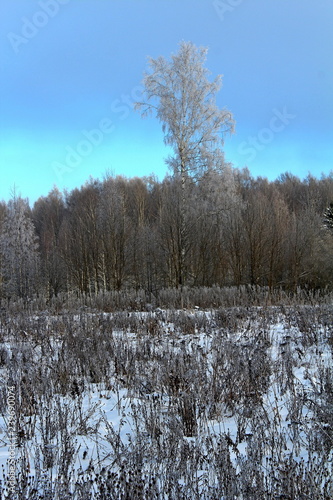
x: 71, y: 70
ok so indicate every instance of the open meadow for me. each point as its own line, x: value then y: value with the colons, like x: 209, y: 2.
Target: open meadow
x: 223, y: 403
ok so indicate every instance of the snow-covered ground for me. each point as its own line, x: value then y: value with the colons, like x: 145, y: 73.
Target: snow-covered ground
x: 231, y: 403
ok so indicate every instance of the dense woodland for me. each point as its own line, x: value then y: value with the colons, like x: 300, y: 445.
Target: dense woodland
x: 120, y: 234
x: 206, y: 224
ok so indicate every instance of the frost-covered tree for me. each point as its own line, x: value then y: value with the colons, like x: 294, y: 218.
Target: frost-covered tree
x: 328, y: 217
x: 184, y: 100
x: 19, y: 251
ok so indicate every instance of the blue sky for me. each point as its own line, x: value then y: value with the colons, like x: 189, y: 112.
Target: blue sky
x: 71, y: 70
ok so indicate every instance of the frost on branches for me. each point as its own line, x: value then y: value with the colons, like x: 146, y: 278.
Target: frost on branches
x: 328, y: 217
x: 19, y: 251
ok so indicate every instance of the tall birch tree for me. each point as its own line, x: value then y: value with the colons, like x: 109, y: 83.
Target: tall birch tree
x: 181, y: 96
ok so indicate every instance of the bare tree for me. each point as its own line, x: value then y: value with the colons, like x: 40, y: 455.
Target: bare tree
x: 183, y: 98
x: 48, y: 214
x: 115, y: 232
x: 80, y: 237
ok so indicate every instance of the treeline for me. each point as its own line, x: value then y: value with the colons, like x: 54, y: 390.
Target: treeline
x: 118, y: 233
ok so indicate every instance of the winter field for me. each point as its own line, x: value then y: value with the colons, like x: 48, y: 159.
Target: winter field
x: 223, y: 403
